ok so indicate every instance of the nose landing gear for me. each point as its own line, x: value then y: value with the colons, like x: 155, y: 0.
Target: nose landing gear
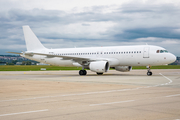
x: 149, y: 73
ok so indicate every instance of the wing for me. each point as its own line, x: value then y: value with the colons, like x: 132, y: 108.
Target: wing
x: 61, y: 56
x: 82, y: 60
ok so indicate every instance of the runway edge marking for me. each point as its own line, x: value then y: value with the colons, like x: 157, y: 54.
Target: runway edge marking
x: 173, y: 95
x: 112, y: 103
x: 170, y: 81
x: 24, y: 112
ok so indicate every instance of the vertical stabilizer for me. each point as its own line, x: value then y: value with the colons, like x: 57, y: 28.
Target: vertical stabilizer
x: 32, y: 42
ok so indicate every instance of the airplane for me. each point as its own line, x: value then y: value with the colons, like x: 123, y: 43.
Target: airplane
x: 96, y: 59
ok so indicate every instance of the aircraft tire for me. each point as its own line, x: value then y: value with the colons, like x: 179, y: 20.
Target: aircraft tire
x: 82, y: 72
x: 85, y: 72
x: 149, y: 73
x: 99, y: 73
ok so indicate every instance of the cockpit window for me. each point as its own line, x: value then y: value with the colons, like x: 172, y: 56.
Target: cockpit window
x: 161, y: 51
x: 157, y: 51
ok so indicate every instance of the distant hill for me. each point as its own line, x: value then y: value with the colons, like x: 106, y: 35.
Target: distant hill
x: 12, y: 58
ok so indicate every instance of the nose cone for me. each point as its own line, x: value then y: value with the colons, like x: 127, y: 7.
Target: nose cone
x: 172, y: 58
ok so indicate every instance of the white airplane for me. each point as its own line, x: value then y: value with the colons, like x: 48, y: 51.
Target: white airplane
x: 97, y: 59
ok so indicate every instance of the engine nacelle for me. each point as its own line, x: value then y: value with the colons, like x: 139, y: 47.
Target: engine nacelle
x: 123, y: 68
x: 99, y: 66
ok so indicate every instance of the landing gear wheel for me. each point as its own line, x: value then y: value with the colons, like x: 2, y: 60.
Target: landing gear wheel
x: 99, y: 73
x: 149, y: 73
x: 82, y: 72
x: 85, y: 72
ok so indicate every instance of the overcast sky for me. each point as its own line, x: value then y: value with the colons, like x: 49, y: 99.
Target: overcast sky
x: 88, y: 23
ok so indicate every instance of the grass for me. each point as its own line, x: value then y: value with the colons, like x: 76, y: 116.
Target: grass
x: 34, y: 68
x: 38, y: 68
x: 159, y: 67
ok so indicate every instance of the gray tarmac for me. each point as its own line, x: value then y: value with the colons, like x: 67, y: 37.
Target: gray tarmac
x: 64, y: 95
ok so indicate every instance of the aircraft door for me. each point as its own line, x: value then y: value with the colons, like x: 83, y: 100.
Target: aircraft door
x: 146, y: 52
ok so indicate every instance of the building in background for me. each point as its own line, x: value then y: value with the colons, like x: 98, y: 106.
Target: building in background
x: 2, y: 63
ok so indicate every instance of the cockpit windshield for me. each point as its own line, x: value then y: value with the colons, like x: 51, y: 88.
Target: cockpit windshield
x: 161, y: 51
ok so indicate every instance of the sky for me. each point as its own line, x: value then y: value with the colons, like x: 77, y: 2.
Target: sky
x: 91, y: 23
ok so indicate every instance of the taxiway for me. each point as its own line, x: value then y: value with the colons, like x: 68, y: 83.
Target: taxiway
x: 51, y: 95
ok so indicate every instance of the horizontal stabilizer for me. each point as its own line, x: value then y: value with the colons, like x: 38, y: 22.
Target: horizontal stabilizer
x: 14, y: 53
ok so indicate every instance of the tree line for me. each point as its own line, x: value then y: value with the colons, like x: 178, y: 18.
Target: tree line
x: 23, y: 63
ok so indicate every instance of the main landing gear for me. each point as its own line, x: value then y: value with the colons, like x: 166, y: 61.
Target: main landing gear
x: 99, y: 73
x: 82, y: 72
x: 149, y: 73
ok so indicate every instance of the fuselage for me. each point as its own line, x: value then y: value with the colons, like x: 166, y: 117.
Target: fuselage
x: 140, y: 55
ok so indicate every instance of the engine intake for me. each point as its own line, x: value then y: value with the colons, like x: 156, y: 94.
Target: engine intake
x: 99, y: 66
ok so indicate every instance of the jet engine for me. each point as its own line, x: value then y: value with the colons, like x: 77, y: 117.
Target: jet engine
x: 123, y: 68
x: 99, y: 66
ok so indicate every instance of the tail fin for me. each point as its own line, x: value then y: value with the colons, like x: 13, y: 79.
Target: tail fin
x: 32, y: 42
